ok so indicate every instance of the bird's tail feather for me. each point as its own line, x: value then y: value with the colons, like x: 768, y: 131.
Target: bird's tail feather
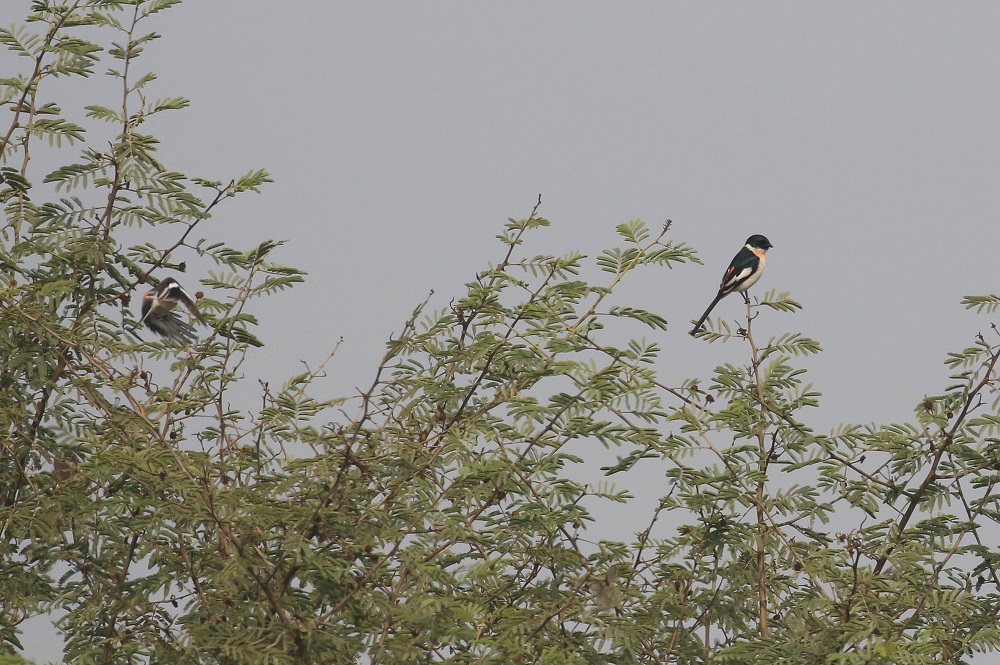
x: 172, y: 327
x: 701, y: 321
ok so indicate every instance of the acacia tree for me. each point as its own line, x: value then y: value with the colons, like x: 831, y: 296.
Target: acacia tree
x: 441, y: 515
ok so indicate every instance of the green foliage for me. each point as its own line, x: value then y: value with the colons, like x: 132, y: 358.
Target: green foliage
x: 451, y: 511
x: 982, y: 303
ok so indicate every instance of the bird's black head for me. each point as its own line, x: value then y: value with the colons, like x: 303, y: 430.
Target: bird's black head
x: 759, y: 242
x: 166, y: 285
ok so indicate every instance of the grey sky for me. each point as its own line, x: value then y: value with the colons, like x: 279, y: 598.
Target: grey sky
x: 861, y: 138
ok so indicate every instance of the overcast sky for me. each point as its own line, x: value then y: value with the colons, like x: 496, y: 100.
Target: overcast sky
x: 861, y: 138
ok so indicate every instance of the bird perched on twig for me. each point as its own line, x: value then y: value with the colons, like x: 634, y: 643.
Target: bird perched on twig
x: 742, y: 273
x: 158, y: 311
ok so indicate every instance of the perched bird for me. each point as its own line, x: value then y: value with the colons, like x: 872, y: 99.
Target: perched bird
x: 742, y: 273
x: 158, y: 311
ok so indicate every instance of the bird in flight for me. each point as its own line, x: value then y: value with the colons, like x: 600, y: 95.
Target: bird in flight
x: 742, y: 273
x: 158, y: 311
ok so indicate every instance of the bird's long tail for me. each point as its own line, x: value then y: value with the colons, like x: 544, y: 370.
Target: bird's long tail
x: 697, y: 327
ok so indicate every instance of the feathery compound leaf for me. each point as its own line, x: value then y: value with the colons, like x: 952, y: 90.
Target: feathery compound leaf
x: 71, y: 176
x: 670, y: 253
x: 987, y: 423
x: 19, y: 40
x: 515, y: 228
x: 104, y: 113
x: 15, y: 182
x: 252, y: 181
x: 168, y: 104
x: 795, y: 344
x: 643, y: 351
x: 259, y: 253
x: 649, y: 318
x: 154, y: 6
x: 967, y: 357
x: 244, y: 336
x: 634, y: 231
x: 55, y: 130
x: 617, y: 260
x: 980, y: 303
x: 780, y: 301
